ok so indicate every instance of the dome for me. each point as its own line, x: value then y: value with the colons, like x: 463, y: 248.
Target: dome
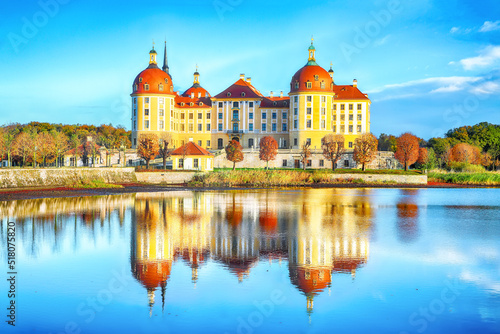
x: 157, y: 81
x: 152, y: 273
x: 319, y: 78
x: 197, y: 90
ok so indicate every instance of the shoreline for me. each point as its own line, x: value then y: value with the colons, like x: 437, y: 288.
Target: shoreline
x: 127, y: 188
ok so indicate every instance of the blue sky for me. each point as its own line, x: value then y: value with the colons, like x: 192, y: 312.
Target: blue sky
x: 427, y: 66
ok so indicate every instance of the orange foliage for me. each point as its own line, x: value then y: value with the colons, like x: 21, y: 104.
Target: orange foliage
x: 407, y: 147
x: 148, y: 147
x: 268, y: 149
x: 365, y: 149
x: 234, y: 152
x: 422, y: 156
x: 464, y: 152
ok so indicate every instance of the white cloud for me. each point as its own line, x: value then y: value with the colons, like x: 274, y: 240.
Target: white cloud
x: 381, y: 41
x: 488, y: 57
x: 490, y: 26
x: 454, y: 30
x: 488, y: 87
x: 437, y: 84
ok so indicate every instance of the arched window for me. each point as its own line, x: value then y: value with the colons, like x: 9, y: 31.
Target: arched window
x: 140, y: 79
x: 146, y: 87
x: 228, y: 94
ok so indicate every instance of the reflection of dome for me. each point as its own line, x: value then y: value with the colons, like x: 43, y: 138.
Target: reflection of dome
x: 346, y: 265
x: 152, y: 274
x: 310, y: 281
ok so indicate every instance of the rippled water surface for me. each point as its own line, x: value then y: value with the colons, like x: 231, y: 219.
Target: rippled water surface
x: 257, y: 261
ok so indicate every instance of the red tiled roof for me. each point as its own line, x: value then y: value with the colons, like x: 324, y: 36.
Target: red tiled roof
x: 236, y: 90
x: 185, y: 102
x: 348, y: 92
x: 192, y: 149
x: 153, y: 76
x: 281, y: 102
x: 196, y: 89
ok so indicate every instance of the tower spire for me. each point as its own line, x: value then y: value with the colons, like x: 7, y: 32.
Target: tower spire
x: 165, y: 61
x: 312, y: 51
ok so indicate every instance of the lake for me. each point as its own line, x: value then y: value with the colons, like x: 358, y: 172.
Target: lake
x: 256, y: 261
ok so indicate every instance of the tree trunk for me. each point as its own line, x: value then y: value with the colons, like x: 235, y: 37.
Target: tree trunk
x: 164, y: 162
x: 234, y: 165
x: 363, y: 168
x: 147, y: 163
x: 267, y: 165
x: 333, y: 165
x: 406, y: 166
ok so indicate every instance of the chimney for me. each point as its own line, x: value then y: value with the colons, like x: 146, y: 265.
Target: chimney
x: 271, y: 94
x: 249, y: 80
x: 355, y: 83
x: 242, y: 76
x: 281, y: 94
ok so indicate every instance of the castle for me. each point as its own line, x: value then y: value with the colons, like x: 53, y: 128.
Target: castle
x: 315, y: 106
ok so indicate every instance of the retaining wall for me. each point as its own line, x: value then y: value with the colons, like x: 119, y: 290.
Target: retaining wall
x: 165, y: 177
x: 384, y: 178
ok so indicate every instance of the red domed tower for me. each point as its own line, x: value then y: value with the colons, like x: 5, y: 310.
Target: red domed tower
x: 152, y: 99
x: 311, y: 99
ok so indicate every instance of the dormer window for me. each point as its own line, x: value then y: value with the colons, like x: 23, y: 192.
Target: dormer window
x: 171, y: 89
x: 201, y: 103
x: 275, y: 103
x: 160, y: 87
x: 192, y: 95
x: 140, y: 79
x: 296, y: 85
x: 322, y: 84
x: 243, y: 94
x: 316, y: 77
x: 182, y: 104
x: 146, y: 87
x: 166, y: 80
x: 228, y: 94
x: 309, y: 84
x: 191, y: 104
x: 136, y: 87
x: 285, y: 104
x: 199, y: 94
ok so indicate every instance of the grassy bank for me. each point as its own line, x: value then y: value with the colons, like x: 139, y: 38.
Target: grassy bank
x: 483, y: 178
x: 274, y: 177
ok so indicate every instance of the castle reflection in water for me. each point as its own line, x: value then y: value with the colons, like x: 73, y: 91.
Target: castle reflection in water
x: 318, y: 233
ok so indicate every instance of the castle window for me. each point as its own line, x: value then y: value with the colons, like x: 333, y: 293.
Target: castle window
x: 135, y: 111
x: 199, y: 144
x: 182, y: 116
x: 208, y: 116
x: 140, y: 79
x: 191, y: 104
x: 334, y: 128
x: 182, y: 104
x: 295, y: 125
x: 220, y: 104
x: 322, y: 85
x: 190, y: 127
x: 309, y: 85
x: 228, y: 94
x: 166, y: 80
x: 323, y: 112
x: 201, y: 103
x: 182, y: 127
x: 208, y: 129
x: 220, y: 115
x: 309, y: 163
x: 308, y: 124
x: 284, y: 162
x: 342, y: 118
x: 236, y: 105
x: 200, y: 115
x: 243, y: 94
x: 321, y: 164
x: 274, y: 127
x: 360, y: 117
x: 296, y: 86
x: 295, y: 111
x: 359, y: 128
x: 334, y: 117
x: 323, y: 124
x: 171, y: 89
x: 351, y: 117
x: 220, y: 126
x: 323, y: 99
x: 200, y: 128
x: 350, y: 128
x: 136, y: 87
x: 350, y: 144
x: 146, y: 87
x: 309, y: 98
x: 284, y: 116
x: 264, y: 115
x: 295, y: 99
x: 342, y: 106
x: 250, y: 104
x: 283, y: 127
x: 146, y: 124
x: 220, y: 143
x: 161, y: 125
x: 208, y: 143
x: 316, y: 77
x: 274, y: 116
x: 342, y: 128
x: 250, y: 128
x: 146, y: 112
x: 160, y: 87
x: 250, y: 115
x: 250, y: 142
x: 309, y: 111
x: 162, y: 112
x: 334, y: 107
x: 191, y: 115
x: 359, y: 106
x: 350, y: 106
x: 264, y: 127
x: 146, y: 100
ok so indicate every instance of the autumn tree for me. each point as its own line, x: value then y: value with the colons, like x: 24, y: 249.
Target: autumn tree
x: 333, y: 147
x: 74, y: 143
x: 2, y: 146
x: 407, y: 149
x: 234, y: 152
x: 386, y: 142
x: 9, y: 135
x: 305, y: 154
x: 268, y: 149
x: 61, y: 146
x: 467, y: 153
x: 89, y: 150
x: 486, y: 160
x: 365, y: 149
x: 148, y: 147
x: 22, y: 144
x: 45, y: 148
x: 165, y: 147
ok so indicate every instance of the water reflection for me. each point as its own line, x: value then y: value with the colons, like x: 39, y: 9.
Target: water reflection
x: 317, y: 233
x: 407, y: 213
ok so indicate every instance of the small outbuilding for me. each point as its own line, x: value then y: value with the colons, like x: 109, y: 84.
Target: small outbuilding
x: 192, y: 157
